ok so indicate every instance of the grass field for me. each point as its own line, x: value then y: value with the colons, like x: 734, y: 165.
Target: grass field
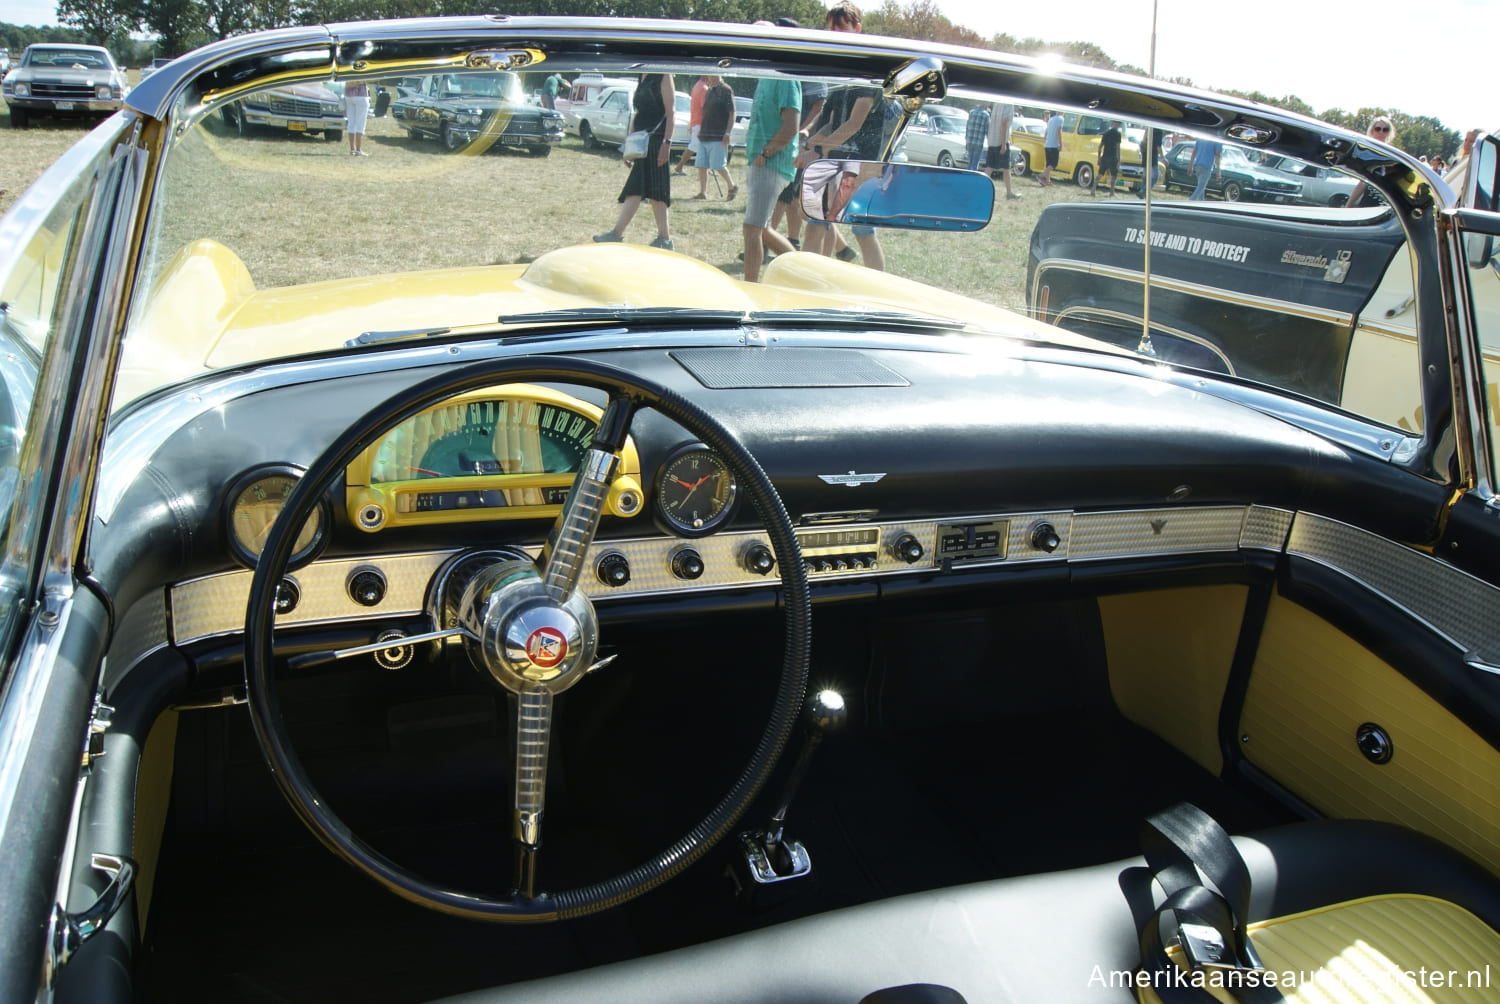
x: 337, y: 216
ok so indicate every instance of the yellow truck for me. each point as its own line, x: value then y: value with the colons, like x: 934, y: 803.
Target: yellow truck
x: 1079, y: 156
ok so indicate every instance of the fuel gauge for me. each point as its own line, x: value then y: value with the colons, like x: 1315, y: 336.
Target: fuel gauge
x: 695, y: 492
x: 255, y: 501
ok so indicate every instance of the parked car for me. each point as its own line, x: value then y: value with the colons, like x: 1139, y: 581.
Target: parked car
x: 1079, y: 155
x: 154, y: 65
x: 1238, y: 177
x: 405, y: 596
x: 63, y: 81
x: 583, y: 90
x: 937, y: 137
x: 606, y: 120
x: 4, y: 60
x: 459, y: 109
x: 308, y: 108
x: 1321, y: 186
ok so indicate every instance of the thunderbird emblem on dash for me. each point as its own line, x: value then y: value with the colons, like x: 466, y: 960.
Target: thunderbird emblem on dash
x: 851, y: 479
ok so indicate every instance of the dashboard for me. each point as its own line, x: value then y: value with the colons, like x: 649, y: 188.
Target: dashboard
x: 944, y: 467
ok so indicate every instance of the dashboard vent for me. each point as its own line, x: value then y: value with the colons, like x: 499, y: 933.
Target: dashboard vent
x: 729, y: 369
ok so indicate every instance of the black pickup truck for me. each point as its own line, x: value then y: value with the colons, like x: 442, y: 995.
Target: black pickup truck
x: 1275, y: 294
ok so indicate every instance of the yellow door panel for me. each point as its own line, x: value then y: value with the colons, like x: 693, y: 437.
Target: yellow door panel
x: 1310, y: 690
x: 1169, y: 657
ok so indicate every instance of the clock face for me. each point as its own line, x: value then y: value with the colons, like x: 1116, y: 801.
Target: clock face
x: 695, y: 492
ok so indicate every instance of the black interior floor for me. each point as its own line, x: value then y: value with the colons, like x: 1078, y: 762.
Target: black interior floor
x: 269, y: 915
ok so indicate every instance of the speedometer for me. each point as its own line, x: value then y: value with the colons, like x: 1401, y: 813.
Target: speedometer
x: 252, y: 505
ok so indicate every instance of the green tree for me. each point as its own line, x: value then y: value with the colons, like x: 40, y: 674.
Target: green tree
x: 98, y: 20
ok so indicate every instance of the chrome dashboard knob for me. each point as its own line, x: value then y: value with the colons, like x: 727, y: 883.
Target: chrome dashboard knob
x: 909, y: 549
x: 687, y: 564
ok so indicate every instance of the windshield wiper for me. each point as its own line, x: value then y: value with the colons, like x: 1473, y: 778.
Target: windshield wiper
x: 857, y: 319
x: 612, y: 316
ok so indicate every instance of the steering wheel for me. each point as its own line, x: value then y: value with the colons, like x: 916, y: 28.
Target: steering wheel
x: 535, y: 632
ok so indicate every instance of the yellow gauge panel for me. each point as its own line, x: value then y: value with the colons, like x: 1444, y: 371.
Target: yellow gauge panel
x: 508, y: 452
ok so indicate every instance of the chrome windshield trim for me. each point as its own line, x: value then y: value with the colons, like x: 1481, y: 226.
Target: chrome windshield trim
x: 25, y: 217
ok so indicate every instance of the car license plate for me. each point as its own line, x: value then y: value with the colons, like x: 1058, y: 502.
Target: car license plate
x: 297, y: 126
x: 63, y: 106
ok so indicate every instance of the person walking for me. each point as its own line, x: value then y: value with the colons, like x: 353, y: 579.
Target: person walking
x: 771, y: 145
x: 997, y: 144
x: 650, y: 174
x: 1051, y: 147
x: 357, y: 109
x: 713, y: 136
x: 1109, y: 158
x: 1205, y: 165
x: 695, y: 121
x: 854, y: 115
x: 976, y: 135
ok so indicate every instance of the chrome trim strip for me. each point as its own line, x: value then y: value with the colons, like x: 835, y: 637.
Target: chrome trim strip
x: 1107, y: 536
x: 214, y: 606
x: 1187, y: 336
x: 1457, y: 606
x: 1266, y: 529
x: 1336, y: 317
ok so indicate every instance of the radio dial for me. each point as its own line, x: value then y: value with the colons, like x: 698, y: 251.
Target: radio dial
x: 909, y: 549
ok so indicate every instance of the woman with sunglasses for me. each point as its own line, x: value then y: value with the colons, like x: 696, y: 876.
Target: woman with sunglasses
x: 1362, y: 195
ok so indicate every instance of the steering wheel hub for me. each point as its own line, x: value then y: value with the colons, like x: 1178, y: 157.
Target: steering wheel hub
x: 522, y: 634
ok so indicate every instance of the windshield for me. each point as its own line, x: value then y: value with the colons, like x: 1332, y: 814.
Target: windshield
x: 88, y: 59
x: 270, y: 240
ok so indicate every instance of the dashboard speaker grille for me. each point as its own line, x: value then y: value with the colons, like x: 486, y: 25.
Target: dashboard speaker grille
x: 728, y: 369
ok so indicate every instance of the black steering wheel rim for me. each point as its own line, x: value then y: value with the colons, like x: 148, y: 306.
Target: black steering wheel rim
x: 260, y: 679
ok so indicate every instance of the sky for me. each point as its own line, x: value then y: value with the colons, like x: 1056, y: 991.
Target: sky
x: 1331, y: 55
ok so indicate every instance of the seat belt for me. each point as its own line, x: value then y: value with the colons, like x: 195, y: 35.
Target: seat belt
x: 1178, y: 843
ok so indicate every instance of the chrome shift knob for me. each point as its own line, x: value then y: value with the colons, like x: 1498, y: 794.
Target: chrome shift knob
x: 825, y: 711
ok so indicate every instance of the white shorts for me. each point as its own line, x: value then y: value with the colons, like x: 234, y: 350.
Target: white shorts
x: 358, y: 110
x: 693, y: 140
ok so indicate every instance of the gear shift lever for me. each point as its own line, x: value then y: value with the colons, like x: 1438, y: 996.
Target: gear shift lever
x: 770, y: 856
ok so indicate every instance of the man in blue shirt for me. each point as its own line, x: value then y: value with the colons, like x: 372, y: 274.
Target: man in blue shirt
x: 976, y: 134
x: 1051, y: 147
x: 1205, y: 164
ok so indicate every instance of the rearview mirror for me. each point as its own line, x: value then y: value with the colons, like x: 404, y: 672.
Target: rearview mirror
x: 901, y: 196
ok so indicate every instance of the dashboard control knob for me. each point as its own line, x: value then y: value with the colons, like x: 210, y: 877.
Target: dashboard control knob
x: 759, y: 559
x: 687, y: 564
x: 1044, y: 537
x: 824, y: 565
x: 613, y: 569
x: 288, y: 595
x: 909, y: 549
x: 367, y: 587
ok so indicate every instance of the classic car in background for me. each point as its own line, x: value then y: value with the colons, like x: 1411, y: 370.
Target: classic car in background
x: 1079, y: 155
x: 1237, y: 177
x: 1321, y: 186
x: 584, y: 89
x: 936, y: 136
x: 311, y: 108
x: 439, y: 604
x: 459, y: 109
x: 154, y: 65
x: 63, y: 81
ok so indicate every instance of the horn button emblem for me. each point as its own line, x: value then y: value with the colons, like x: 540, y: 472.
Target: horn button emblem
x: 546, y: 647
x: 522, y: 634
